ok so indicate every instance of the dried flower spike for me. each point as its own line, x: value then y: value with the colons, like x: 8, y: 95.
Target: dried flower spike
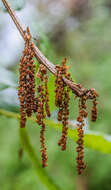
x: 43, y: 109
x: 62, y: 101
x: 65, y: 114
x: 80, y: 141
x: 94, y: 107
x: 26, y: 91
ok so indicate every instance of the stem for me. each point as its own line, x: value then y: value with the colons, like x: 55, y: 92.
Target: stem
x: 79, y: 91
x: 43, y: 176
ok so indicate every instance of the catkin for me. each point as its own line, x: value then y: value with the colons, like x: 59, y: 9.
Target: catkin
x: 26, y: 89
x: 80, y: 141
x: 42, y: 110
x: 62, y: 101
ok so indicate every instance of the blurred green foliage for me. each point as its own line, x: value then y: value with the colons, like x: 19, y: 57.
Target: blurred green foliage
x: 16, y: 5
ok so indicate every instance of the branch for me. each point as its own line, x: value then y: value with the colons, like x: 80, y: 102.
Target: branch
x: 76, y: 88
x: 93, y: 140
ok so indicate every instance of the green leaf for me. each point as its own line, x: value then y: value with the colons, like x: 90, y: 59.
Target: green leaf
x: 3, y: 86
x: 93, y: 140
x: 51, y: 88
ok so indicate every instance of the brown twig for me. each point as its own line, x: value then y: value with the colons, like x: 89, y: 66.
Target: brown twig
x: 76, y: 88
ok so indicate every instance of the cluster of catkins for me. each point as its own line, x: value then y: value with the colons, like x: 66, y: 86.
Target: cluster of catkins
x: 62, y: 102
x: 37, y: 101
x: 29, y: 101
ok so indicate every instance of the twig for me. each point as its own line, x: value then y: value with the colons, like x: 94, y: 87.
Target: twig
x: 77, y: 89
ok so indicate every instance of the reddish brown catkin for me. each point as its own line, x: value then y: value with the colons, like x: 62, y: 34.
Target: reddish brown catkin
x: 59, y: 87
x: 47, y: 97
x: 59, y: 102
x: 65, y: 113
x: 26, y: 91
x: 62, y: 102
x: 94, y: 112
x: 63, y: 139
x: 80, y: 141
x: 43, y: 106
x: 30, y: 88
x: 21, y: 92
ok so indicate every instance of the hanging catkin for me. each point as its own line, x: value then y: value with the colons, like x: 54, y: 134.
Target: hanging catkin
x: 62, y: 101
x: 80, y: 141
x: 43, y: 109
x: 26, y: 90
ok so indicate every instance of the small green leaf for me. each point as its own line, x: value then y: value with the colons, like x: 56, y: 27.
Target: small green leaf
x: 51, y: 89
x: 3, y: 86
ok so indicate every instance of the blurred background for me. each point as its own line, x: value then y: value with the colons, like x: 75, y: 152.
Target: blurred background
x: 81, y: 31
